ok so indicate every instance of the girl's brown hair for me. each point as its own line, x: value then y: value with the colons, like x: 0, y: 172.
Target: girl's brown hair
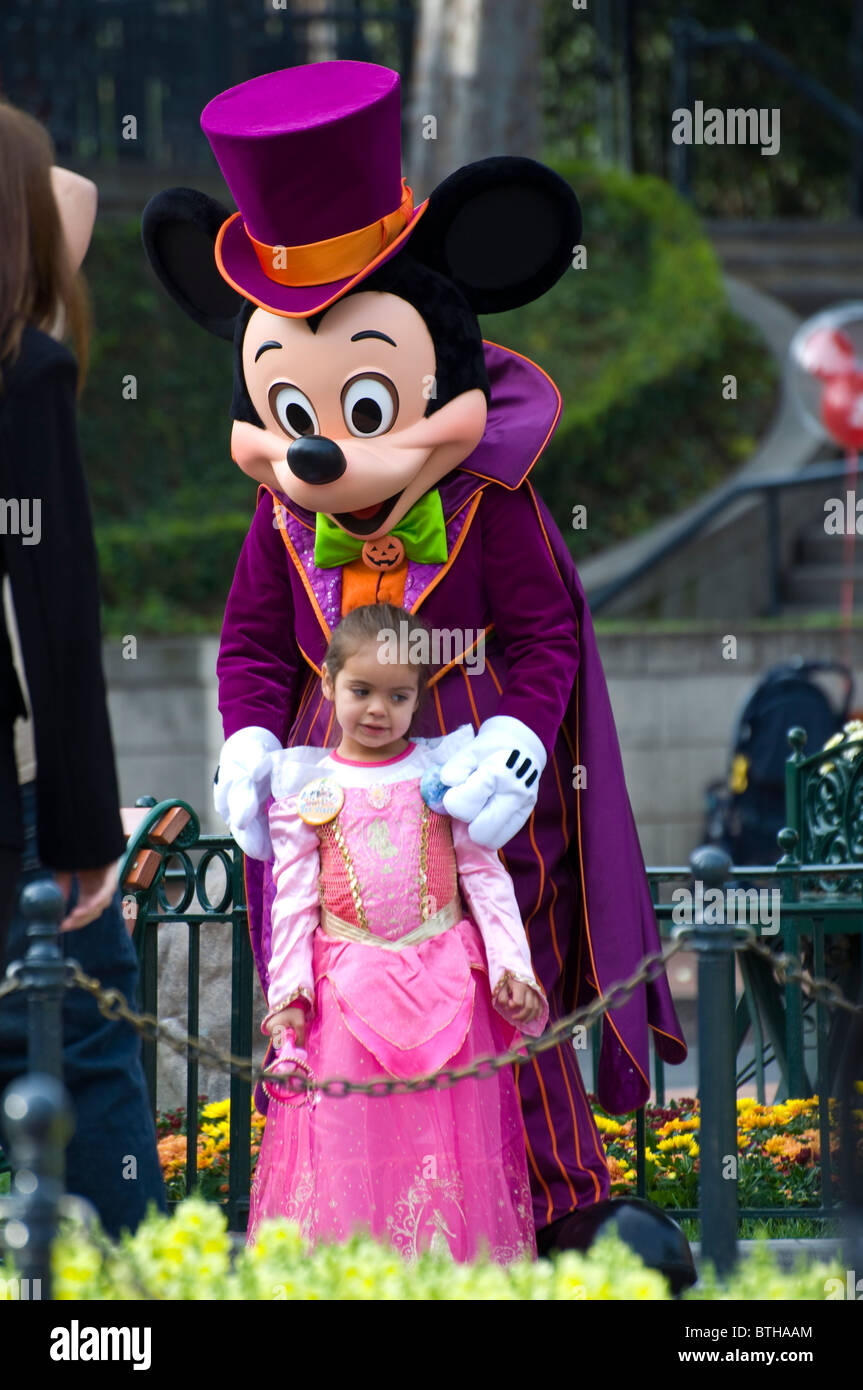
x: 369, y: 624
x: 37, y: 279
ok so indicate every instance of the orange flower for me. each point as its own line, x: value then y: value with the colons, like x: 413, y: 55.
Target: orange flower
x: 784, y: 1145
x: 617, y: 1170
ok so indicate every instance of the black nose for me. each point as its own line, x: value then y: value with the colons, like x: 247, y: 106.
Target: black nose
x: 316, y: 460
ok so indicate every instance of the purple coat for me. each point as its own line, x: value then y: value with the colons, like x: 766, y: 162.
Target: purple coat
x: 577, y: 865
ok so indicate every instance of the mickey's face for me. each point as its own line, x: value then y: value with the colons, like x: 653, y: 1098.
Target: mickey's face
x: 345, y: 430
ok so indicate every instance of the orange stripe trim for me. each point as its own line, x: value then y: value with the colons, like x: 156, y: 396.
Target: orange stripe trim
x: 559, y: 1051
x: 497, y: 684
x: 439, y: 712
x: 598, y: 1146
x: 277, y: 512
x: 317, y: 669
x: 536, y: 905
x: 563, y: 822
x: 578, y: 805
x: 455, y: 550
x: 459, y: 661
x: 464, y: 676
x: 315, y: 716
x: 329, y: 726
x: 307, y: 695
x: 533, y: 1163
x: 553, y: 1138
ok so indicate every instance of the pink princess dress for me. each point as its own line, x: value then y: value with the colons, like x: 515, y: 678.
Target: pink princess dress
x: 398, y: 931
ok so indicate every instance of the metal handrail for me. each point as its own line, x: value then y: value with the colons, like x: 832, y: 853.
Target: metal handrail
x: 600, y: 597
x: 687, y: 34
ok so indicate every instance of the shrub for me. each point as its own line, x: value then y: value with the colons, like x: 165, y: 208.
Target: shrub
x: 189, y: 1256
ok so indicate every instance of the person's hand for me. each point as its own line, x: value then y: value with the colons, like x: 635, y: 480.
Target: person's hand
x: 96, y: 888
x: 520, y: 1003
x: 77, y: 199
x: 284, y: 1019
x: 494, y: 781
x: 242, y: 787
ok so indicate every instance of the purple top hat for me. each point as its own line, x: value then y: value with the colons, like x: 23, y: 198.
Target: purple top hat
x: 312, y: 156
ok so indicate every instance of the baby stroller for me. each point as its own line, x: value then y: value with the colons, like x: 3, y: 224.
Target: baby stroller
x: 746, y: 810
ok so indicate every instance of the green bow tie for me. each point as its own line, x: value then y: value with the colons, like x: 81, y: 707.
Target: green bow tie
x: 422, y: 531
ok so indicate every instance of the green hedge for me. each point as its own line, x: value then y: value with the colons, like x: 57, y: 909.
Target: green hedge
x: 637, y: 343
x: 188, y: 1256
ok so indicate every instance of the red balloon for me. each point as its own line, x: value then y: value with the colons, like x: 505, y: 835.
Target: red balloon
x: 842, y: 409
x: 827, y: 352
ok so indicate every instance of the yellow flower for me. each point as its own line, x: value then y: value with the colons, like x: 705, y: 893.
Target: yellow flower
x: 217, y: 1110
x: 607, y: 1126
x: 753, y: 1121
x: 679, y: 1126
x: 676, y: 1141
x: 797, y: 1107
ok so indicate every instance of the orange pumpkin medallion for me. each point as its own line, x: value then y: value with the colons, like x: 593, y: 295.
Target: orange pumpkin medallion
x: 386, y: 553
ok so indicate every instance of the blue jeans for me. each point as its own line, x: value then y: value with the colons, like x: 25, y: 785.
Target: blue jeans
x: 111, y: 1158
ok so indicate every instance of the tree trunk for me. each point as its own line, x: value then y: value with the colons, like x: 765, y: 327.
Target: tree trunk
x: 475, y: 86
x: 320, y: 34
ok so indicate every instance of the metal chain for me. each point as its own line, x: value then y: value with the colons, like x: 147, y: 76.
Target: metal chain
x: 786, y: 970
x: 113, y: 1006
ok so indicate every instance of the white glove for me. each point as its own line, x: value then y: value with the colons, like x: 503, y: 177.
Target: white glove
x: 242, y: 786
x: 494, y: 782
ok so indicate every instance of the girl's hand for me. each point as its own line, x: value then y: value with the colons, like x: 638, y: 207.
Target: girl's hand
x: 521, y: 1003
x: 284, y: 1019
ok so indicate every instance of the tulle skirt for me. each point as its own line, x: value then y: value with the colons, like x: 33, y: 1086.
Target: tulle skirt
x: 444, y: 1169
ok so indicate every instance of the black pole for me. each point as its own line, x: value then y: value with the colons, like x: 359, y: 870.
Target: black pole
x: 681, y: 155
x: 37, y: 1120
x: 850, y: 1154
x: 713, y: 940
x: 44, y: 970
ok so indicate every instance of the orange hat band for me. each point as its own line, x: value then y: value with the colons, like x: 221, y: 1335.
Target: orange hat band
x: 320, y: 262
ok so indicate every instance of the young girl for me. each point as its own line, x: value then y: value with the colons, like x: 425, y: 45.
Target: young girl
x: 396, y: 949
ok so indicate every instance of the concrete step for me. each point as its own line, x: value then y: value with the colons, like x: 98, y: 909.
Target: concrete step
x: 806, y: 610
x: 783, y: 229
x: 819, y: 586
x: 817, y: 548
x: 805, y: 264
x: 737, y: 255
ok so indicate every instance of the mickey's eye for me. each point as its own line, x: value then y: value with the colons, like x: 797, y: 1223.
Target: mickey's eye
x: 294, y: 411
x: 370, y: 404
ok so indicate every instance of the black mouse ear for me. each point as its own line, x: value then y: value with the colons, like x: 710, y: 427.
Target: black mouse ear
x: 179, y: 228
x: 503, y: 229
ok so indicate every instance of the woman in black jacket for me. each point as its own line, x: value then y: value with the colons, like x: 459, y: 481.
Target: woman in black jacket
x: 59, y: 805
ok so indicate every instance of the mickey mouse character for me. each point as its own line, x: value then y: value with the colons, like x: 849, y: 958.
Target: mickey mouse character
x: 393, y: 448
